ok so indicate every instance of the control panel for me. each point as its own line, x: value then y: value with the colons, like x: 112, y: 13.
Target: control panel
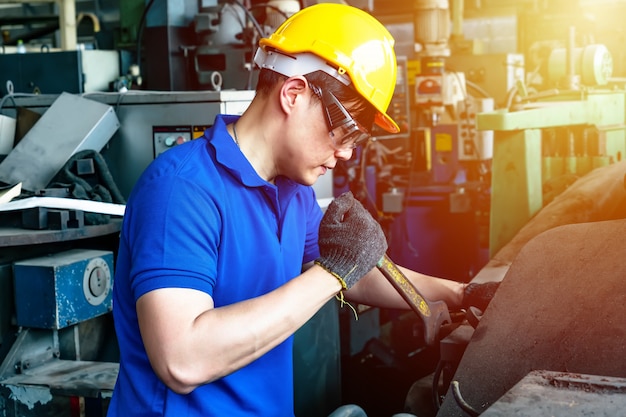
x: 474, y: 144
x: 166, y: 137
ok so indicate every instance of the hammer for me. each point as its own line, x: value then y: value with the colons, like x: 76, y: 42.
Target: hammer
x: 432, y: 313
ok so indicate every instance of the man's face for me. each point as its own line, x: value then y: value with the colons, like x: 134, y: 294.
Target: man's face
x: 309, y: 149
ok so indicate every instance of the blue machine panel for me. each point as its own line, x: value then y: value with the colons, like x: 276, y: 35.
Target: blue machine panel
x: 429, y: 237
x: 59, y: 290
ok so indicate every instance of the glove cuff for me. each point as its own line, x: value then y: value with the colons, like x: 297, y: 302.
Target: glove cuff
x: 341, y: 281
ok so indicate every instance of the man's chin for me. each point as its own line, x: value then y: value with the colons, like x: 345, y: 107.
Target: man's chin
x: 309, y: 180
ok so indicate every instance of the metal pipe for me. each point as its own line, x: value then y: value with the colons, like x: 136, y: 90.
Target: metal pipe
x: 94, y: 20
x: 67, y: 24
x: 571, y: 56
x: 457, y: 18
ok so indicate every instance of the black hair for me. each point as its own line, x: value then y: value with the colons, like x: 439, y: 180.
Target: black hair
x: 268, y: 79
x: 359, y: 108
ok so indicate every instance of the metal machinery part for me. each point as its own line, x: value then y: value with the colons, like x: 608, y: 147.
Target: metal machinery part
x: 492, y: 75
x: 55, y: 300
x: 562, y: 394
x: 56, y: 347
x: 149, y: 123
x: 225, y: 40
x: 432, y: 26
x: 219, y: 59
x: 558, y: 309
x: 46, y: 292
x: 592, y: 63
x: 55, y: 137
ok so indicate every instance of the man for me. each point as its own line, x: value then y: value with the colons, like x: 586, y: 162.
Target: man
x: 219, y: 261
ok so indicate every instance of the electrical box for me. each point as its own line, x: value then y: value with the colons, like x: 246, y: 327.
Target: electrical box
x: 59, y: 290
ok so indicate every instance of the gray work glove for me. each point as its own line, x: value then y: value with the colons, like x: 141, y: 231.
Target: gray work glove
x: 351, y: 241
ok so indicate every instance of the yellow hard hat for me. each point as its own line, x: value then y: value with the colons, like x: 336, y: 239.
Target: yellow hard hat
x: 345, y: 42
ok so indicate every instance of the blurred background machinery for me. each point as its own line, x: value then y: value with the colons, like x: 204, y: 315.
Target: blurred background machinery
x: 503, y: 107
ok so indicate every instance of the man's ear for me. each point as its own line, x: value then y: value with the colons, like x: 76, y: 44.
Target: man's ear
x: 292, y: 92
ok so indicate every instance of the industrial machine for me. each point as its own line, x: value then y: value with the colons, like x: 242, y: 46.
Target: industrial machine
x: 511, y: 118
x: 57, y: 267
x: 567, y: 131
x: 429, y: 185
x: 482, y: 161
x: 209, y: 44
x: 56, y: 345
x: 542, y: 143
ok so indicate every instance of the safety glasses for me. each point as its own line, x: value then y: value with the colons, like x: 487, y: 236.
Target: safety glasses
x: 345, y: 132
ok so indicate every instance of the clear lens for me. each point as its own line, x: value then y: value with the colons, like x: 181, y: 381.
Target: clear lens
x: 345, y: 132
x: 348, y: 136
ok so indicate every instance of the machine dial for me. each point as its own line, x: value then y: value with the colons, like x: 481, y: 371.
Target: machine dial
x: 96, y: 281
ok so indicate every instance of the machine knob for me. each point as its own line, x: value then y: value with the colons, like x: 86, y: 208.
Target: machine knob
x: 169, y: 141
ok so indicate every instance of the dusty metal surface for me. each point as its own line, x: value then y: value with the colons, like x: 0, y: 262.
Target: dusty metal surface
x: 55, y: 137
x: 51, y: 389
x: 560, y: 307
x: 80, y: 378
x: 558, y: 394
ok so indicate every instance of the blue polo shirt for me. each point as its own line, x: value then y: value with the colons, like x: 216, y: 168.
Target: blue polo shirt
x: 200, y: 217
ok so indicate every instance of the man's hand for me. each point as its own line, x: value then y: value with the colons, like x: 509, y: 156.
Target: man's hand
x: 351, y: 241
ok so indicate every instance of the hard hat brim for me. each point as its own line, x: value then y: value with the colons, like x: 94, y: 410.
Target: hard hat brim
x: 385, y: 122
